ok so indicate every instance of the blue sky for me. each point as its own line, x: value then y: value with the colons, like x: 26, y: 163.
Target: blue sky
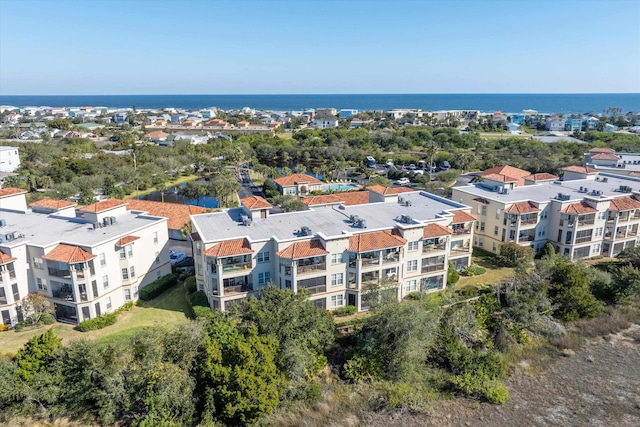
x: 256, y: 47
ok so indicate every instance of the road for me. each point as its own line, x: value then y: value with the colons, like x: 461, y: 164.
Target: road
x: 248, y: 187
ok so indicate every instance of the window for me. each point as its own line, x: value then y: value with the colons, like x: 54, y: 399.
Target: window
x: 543, y: 215
x: 498, y: 212
x: 155, y: 237
x: 199, y: 269
x: 596, y: 248
x: 410, y: 286
x: 336, y: 258
x: 494, y: 246
x: 412, y: 265
x: 108, y: 300
x: 125, y: 274
x: 3, y: 296
x: 198, y: 248
x: 542, y: 231
x: 105, y: 281
x: 157, y: 257
x: 135, y: 291
x: 103, y: 259
x: 85, y: 313
x: 127, y: 294
x: 481, y: 242
x: 133, y: 272
x: 495, y: 230
x: 483, y: 210
x: 413, y: 246
x: 264, y: 278
x: 263, y: 256
x: 158, y: 274
x: 482, y: 226
x: 337, y: 300
x: 38, y: 263
x: 130, y: 250
x: 16, y: 293
x: 123, y: 253
x: 42, y: 284
x: 337, y: 279
x: 602, y: 215
x: 599, y: 231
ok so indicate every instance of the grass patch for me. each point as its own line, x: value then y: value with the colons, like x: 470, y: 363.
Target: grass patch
x: 170, y: 308
x: 612, y: 321
x: 180, y: 180
x: 256, y: 177
x: 532, y: 357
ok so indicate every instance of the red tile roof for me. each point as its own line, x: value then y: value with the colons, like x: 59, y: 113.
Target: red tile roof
x: 68, y: 254
x: 255, y: 202
x: 158, y: 134
x: 103, y: 206
x: 229, y: 248
x: 9, y: 191
x: 521, y: 208
x: 381, y: 189
x: 605, y: 156
x: 624, y: 204
x: 579, y: 208
x: 321, y: 200
x: 53, y: 204
x: 303, y: 250
x: 461, y: 216
x: 126, y: 240
x: 579, y: 169
x: 435, y: 230
x: 347, y: 199
x: 602, y: 150
x: 511, y: 174
x: 4, y: 258
x: 542, y: 177
x: 177, y: 215
x: 296, y: 178
x: 500, y: 178
x: 375, y: 241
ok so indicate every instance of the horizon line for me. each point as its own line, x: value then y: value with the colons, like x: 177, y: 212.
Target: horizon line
x: 330, y: 94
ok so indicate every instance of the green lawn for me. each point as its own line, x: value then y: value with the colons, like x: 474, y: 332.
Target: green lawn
x: 178, y: 181
x: 170, y: 308
x: 494, y: 273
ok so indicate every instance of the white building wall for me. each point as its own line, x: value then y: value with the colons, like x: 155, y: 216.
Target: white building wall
x: 9, y: 159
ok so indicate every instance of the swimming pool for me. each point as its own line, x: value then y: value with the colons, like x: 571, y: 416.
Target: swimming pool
x: 340, y: 187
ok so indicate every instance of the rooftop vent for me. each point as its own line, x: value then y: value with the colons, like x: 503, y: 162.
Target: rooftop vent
x: 625, y: 189
x: 246, y: 221
x: 562, y: 196
x: 3, y: 223
x: 406, y: 219
x: 362, y: 223
x: 305, y: 231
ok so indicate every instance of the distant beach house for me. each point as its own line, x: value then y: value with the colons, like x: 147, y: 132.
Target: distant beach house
x: 555, y: 123
x: 156, y: 136
x: 610, y: 128
x: 298, y: 184
x: 514, y: 127
x: 574, y: 124
x: 325, y: 122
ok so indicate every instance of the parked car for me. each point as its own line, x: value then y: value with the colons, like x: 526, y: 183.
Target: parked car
x: 403, y: 181
x: 412, y: 167
x: 176, y: 257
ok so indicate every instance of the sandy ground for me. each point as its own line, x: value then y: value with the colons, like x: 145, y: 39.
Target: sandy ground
x: 598, y: 386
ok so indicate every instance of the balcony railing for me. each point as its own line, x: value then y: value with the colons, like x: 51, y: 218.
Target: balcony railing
x: 79, y: 274
x: 236, y: 266
x: 370, y: 261
x: 460, y: 249
x: 527, y: 238
x: 433, y: 267
x: 314, y: 289
x: 434, y: 248
x: 391, y: 258
x: 236, y: 289
x: 586, y: 222
x: 529, y: 221
x: 65, y: 274
x: 65, y: 294
x: 306, y: 269
x: 583, y: 239
x: 12, y: 274
x: 620, y: 234
x: 462, y: 230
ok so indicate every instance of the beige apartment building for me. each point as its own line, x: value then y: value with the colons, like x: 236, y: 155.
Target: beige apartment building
x: 332, y: 251
x: 87, y: 261
x: 585, y: 213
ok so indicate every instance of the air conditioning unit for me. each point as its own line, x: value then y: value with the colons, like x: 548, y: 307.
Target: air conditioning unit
x: 9, y: 237
x: 3, y: 223
x: 305, y: 231
x: 105, y: 221
x: 112, y: 219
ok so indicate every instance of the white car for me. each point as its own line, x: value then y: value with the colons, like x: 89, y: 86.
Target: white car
x: 176, y: 257
x: 403, y: 181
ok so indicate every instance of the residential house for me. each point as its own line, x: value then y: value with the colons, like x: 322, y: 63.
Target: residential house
x: 325, y: 122
x: 574, y: 124
x: 10, y: 158
x: 610, y: 128
x: 555, y: 124
x: 344, y: 113
x: 156, y: 136
x: 298, y: 184
x: 326, y: 111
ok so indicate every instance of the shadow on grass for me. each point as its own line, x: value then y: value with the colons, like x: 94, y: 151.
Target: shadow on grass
x: 173, y: 299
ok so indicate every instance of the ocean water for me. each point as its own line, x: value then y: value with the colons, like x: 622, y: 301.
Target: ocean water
x: 543, y: 103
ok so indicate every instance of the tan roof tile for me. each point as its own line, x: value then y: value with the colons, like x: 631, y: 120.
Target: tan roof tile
x: 381, y: 189
x: 461, y: 216
x: 500, y: 178
x: 543, y: 176
x: 126, y: 240
x: 377, y: 240
x: 605, y: 156
x: 296, y: 178
x: 435, y: 230
x: 53, y: 204
x: 321, y: 200
x: 347, y: 199
x: 158, y: 134
x: 177, y: 215
x: 4, y: 258
x: 103, y: 206
x: 602, y: 150
x: 522, y: 208
x: 68, y: 254
x: 579, y: 208
x: 510, y: 173
x: 624, y: 204
x: 303, y: 250
x: 255, y: 202
x: 9, y: 191
x: 579, y: 169
x: 229, y: 248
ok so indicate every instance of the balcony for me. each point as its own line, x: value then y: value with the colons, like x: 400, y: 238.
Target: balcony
x: 235, y: 265
x: 64, y: 292
x: 236, y: 289
x: 460, y: 249
x: 529, y: 221
x: 370, y: 261
x: 391, y: 258
x: 428, y: 248
x: 64, y: 274
x: 461, y: 230
x: 312, y: 268
x: 432, y: 267
x: 583, y: 239
x: 313, y: 289
x: 526, y: 238
x: 237, y: 285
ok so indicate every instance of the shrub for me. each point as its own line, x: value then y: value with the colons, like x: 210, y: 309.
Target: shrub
x: 414, y: 296
x: 200, y: 311
x: 513, y: 255
x: 19, y: 326
x: 190, y: 284
x: 452, y: 275
x: 611, y: 322
x: 128, y: 306
x: 198, y: 299
x: 157, y: 287
x: 347, y: 310
x: 495, y: 392
x: 48, y: 319
x: 307, y: 392
x: 99, y: 322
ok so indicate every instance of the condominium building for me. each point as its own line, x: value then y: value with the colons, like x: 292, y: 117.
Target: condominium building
x: 87, y: 261
x: 585, y: 213
x: 403, y: 240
